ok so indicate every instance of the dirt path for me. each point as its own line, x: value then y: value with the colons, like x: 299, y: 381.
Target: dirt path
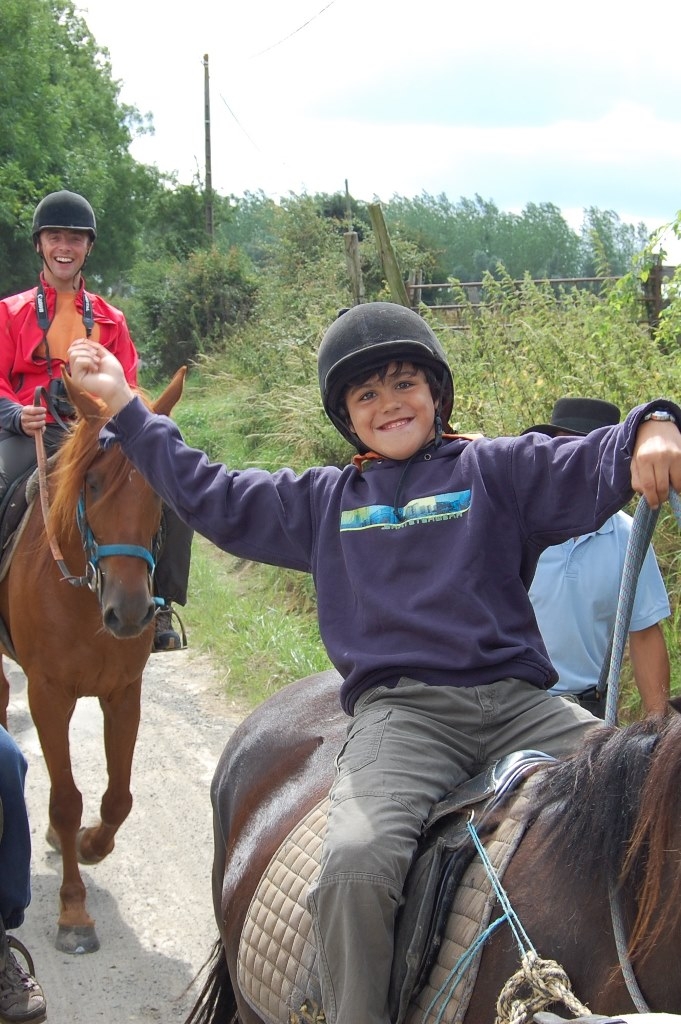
x: 151, y: 897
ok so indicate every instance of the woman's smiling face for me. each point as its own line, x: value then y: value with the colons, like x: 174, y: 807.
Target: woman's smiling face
x: 393, y: 413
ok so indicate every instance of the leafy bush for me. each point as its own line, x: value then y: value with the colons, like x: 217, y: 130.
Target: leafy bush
x: 528, y: 345
x: 182, y: 309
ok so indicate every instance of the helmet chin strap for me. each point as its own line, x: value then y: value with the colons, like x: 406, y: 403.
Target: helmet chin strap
x: 437, y: 440
x: 438, y: 412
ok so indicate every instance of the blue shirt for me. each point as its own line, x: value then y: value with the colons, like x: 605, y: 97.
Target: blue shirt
x: 575, y: 592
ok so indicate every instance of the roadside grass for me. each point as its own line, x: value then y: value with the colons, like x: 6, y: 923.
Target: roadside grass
x: 250, y: 620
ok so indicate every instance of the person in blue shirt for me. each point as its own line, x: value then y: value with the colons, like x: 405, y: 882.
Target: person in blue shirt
x: 422, y: 551
x: 576, y: 587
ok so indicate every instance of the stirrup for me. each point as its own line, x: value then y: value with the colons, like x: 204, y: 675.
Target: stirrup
x: 14, y: 943
x: 169, y: 610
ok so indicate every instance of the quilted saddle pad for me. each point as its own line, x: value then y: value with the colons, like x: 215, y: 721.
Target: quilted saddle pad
x: 277, y: 956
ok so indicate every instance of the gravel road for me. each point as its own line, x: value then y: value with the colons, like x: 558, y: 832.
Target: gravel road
x: 151, y: 897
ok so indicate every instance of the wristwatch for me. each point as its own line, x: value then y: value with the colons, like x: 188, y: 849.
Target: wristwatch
x: 661, y: 415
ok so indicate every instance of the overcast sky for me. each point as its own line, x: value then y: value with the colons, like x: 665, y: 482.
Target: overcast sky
x: 576, y: 104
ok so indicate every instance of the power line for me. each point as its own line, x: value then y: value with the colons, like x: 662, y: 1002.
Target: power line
x: 238, y: 122
x: 267, y: 50
x: 295, y: 31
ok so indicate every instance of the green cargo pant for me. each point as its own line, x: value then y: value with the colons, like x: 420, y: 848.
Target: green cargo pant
x: 406, y: 748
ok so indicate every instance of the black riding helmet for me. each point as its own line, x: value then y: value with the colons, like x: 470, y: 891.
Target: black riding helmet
x: 368, y: 336
x: 64, y: 210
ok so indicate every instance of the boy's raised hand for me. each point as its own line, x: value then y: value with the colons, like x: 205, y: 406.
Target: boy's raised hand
x: 656, y: 463
x: 97, y: 370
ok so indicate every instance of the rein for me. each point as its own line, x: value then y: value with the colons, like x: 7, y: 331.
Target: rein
x: 92, y: 579
x: 642, y: 530
x: 76, y: 581
x: 534, y: 973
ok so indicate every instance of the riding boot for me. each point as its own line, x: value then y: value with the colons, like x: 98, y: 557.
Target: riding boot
x: 166, y: 638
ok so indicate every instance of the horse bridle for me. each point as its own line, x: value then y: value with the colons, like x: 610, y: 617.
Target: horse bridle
x: 94, y: 552
x: 94, y: 577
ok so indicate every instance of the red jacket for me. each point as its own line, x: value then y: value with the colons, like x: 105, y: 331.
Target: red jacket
x: 22, y: 371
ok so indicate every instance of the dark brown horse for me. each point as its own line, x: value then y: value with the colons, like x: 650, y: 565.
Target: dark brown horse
x: 610, y: 814
x: 91, y: 639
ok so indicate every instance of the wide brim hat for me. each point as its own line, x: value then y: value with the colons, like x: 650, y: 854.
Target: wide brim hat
x: 578, y: 416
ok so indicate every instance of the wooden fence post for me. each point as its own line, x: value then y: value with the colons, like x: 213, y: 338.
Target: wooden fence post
x: 353, y: 264
x: 387, y: 256
x: 414, y: 288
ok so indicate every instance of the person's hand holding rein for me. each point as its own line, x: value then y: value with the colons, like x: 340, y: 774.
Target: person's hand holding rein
x: 97, y: 371
x: 656, y: 463
x: 33, y: 419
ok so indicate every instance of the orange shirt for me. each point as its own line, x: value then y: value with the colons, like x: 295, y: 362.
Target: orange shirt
x: 66, y: 326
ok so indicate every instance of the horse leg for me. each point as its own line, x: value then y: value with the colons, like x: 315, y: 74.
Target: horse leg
x: 121, y: 721
x: 52, y: 714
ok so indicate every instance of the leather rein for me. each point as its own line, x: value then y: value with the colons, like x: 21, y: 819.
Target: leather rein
x: 92, y: 579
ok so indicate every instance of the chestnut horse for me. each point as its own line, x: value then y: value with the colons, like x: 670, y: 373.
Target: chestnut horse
x: 91, y: 639
x: 608, y: 815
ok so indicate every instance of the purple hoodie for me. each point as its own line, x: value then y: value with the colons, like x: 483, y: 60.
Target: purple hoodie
x: 421, y: 567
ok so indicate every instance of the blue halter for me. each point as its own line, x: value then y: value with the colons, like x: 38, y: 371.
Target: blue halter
x: 94, y: 552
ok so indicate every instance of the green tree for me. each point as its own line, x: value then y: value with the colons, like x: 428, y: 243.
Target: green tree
x: 473, y: 237
x: 181, y: 309
x: 609, y: 245
x: 539, y: 242
x: 174, y: 222
x: 62, y: 126
x: 252, y: 226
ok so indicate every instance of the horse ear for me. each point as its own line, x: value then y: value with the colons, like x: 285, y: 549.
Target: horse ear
x: 172, y: 394
x: 87, y: 405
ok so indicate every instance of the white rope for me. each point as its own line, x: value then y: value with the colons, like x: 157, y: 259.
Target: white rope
x: 535, y: 985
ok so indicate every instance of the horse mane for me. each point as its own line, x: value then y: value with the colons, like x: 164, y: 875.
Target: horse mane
x: 613, y: 809
x: 77, y: 454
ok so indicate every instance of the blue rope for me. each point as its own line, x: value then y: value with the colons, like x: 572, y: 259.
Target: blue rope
x: 514, y: 921
x: 522, y: 939
x: 458, y: 970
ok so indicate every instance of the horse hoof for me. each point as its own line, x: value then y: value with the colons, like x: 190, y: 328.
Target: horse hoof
x: 77, y: 940
x: 84, y: 858
x: 52, y: 838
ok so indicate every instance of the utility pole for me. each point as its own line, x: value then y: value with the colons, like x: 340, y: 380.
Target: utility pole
x: 209, y: 173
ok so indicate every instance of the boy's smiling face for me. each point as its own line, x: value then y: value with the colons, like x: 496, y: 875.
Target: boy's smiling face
x: 393, y: 414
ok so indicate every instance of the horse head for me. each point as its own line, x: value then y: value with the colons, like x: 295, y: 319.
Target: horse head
x: 106, y: 514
